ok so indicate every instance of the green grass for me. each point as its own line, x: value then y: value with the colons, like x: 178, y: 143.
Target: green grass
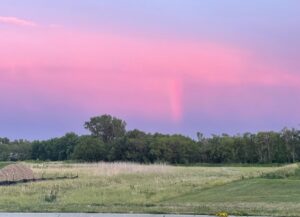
x: 158, y: 189
x: 276, y: 197
x: 276, y: 193
x: 253, y: 190
x: 3, y: 164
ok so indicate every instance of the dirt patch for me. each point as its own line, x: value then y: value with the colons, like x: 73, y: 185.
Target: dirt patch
x: 16, y: 172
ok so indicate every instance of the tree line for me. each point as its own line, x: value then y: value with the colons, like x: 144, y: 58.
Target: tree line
x: 110, y: 141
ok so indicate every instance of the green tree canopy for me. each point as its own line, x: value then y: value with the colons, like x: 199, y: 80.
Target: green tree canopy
x: 106, y: 127
x: 89, y: 149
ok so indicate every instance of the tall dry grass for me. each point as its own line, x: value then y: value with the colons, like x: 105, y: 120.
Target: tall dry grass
x: 100, y: 169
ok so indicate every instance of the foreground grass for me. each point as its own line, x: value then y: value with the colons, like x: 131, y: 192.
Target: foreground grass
x: 280, y: 197
x: 124, y: 187
x: 3, y: 164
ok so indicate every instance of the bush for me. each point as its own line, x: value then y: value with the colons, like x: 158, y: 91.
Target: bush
x: 52, y: 196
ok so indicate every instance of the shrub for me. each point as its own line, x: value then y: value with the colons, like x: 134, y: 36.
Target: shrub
x: 51, y: 196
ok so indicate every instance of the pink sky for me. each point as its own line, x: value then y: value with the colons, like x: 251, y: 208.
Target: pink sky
x: 96, y: 67
x: 164, y: 79
x: 90, y: 68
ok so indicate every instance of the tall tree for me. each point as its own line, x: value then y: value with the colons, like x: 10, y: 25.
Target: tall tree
x: 106, y: 127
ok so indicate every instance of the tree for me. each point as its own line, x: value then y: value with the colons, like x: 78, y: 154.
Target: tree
x: 4, y: 140
x: 89, y: 149
x: 200, y: 137
x: 106, y: 127
x: 67, y: 144
x: 291, y: 139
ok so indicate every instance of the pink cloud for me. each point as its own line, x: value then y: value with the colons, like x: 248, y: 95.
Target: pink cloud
x: 100, y: 72
x: 54, y: 25
x: 16, y: 21
x: 176, y: 103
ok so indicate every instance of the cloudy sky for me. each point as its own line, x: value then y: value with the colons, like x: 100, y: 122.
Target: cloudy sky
x: 174, y: 66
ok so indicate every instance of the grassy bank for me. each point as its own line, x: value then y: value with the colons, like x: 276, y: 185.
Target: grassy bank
x: 125, y: 187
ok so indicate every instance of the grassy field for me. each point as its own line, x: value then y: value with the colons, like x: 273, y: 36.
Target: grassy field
x: 125, y: 187
x: 3, y: 164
